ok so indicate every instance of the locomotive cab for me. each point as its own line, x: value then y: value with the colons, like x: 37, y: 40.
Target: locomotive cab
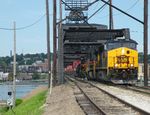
x: 122, y: 63
x: 117, y: 43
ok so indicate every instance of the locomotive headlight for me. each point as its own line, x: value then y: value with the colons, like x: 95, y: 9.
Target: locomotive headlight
x: 131, y: 65
x: 123, y: 51
x: 116, y: 65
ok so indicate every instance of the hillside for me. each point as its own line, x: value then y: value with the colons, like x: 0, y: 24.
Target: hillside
x: 26, y: 59
x: 29, y: 59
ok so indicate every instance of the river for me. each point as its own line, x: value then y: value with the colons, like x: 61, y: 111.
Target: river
x: 21, y: 90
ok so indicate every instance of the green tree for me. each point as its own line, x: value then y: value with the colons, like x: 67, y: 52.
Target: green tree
x: 3, y: 65
x: 10, y: 76
x: 35, y: 76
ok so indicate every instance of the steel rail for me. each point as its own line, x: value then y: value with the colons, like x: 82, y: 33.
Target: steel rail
x: 100, y: 110
x: 137, y: 89
x: 143, y: 112
x: 122, y: 101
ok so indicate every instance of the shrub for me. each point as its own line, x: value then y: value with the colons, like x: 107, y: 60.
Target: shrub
x: 18, y: 101
x: 3, y: 109
x: 35, y: 76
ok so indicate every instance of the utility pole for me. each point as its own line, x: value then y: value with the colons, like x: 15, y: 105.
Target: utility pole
x: 54, y: 41
x: 48, y: 44
x: 60, y: 48
x: 14, y: 68
x: 145, y: 42
x: 111, y: 24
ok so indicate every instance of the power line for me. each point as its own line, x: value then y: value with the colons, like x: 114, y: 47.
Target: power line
x: 99, y: 10
x: 131, y: 7
x: 125, y: 13
x: 28, y: 26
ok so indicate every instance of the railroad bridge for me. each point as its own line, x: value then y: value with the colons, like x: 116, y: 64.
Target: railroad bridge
x: 76, y: 38
x: 79, y: 38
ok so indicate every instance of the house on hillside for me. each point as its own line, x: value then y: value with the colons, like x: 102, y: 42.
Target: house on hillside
x: 4, y: 76
x: 43, y: 66
x: 1, y: 68
x: 38, y: 66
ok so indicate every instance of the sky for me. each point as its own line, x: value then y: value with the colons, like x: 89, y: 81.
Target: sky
x: 33, y: 39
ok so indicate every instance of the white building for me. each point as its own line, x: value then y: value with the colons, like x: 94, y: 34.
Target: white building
x: 3, y: 76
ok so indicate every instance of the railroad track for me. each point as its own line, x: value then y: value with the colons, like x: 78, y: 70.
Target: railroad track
x: 104, y: 102
x: 143, y: 90
x: 85, y: 102
x: 137, y: 89
x: 133, y: 96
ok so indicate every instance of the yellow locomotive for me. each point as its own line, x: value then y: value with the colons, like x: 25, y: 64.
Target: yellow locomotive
x: 115, y: 61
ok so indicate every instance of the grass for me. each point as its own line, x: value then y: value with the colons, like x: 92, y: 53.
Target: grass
x: 33, y: 106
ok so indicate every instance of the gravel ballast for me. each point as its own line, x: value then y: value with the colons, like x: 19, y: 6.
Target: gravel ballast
x: 62, y: 102
x: 134, y: 98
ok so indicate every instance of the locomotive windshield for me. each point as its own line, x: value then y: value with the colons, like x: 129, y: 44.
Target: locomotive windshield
x: 121, y: 43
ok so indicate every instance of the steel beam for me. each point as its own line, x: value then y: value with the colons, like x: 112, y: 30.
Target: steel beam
x: 54, y: 42
x: 145, y: 42
x: 111, y: 24
x: 60, y: 49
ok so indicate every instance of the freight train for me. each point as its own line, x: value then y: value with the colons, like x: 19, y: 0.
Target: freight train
x: 115, y: 61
